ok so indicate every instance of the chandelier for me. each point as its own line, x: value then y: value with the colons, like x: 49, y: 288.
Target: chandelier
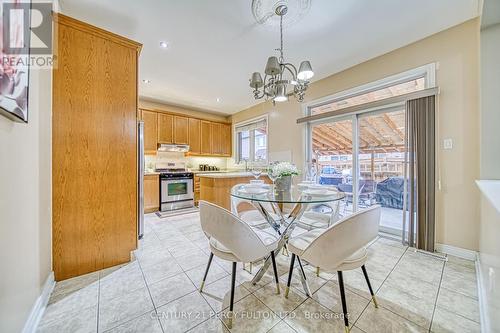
x: 281, y: 79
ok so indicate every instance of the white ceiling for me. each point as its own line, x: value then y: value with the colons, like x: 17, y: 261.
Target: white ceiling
x: 214, y: 46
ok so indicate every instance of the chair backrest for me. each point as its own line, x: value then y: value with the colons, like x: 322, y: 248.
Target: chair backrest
x: 344, y: 238
x: 233, y: 233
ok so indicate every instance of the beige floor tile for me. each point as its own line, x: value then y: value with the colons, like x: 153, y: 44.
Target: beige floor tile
x: 329, y: 297
x: 115, y: 283
x: 425, y: 267
x: 310, y: 316
x: 278, y: 303
x: 465, y: 306
x: 213, y: 325
x: 113, y: 312
x: 281, y: 327
x: 413, y: 285
x: 73, y: 284
x: 461, y: 262
x: 81, y: 321
x: 161, y: 270
x: 415, y: 309
x: 218, y: 293
x: 171, y: 288
x: 313, y: 281
x: 461, y: 279
x: 448, y: 322
x: 146, y: 323
x: 384, y: 321
x: 251, y: 315
x: 192, y: 260
x: 148, y: 258
x: 184, y: 313
x: 215, y: 273
x: 391, y: 242
x: 354, y: 280
x: 72, y: 301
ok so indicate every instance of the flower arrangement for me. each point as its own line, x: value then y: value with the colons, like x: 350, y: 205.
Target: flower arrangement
x: 283, y: 169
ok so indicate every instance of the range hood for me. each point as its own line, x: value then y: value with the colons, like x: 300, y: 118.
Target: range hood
x: 174, y: 148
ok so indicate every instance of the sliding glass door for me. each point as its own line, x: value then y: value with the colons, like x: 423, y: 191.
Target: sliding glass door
x: 364, y: 156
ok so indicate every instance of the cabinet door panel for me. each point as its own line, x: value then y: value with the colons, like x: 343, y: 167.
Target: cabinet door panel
x: 150, y: 131
x: 226, y: 140
x: 165, y: 128
x: 206, y: 137
x: 194, y: 138
x: 216, y: 139
x: 151, y: 193
x: 181, y: 125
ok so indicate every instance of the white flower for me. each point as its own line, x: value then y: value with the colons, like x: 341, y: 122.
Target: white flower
x: 283, y: 169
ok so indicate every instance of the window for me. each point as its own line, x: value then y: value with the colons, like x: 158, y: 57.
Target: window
x: 251, y: 141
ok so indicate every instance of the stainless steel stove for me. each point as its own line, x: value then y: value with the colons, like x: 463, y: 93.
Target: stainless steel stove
x: 176, y: 186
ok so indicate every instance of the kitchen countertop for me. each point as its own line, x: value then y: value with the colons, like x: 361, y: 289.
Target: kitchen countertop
x: 152, y: 173
x: 233, y: 174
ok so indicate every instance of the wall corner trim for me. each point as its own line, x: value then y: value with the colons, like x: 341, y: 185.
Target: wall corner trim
x: 481, y: 293
x: 40, y: 305
x: 456, y: 251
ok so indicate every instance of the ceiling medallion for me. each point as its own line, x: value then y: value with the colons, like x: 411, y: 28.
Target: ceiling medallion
x: 264, y: 11
x: 281, y: 79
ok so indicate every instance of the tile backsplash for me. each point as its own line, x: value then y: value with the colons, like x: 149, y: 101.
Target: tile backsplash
x: 192, y: 162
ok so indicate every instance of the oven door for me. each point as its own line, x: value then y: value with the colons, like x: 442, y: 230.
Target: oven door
x: 176, y: 190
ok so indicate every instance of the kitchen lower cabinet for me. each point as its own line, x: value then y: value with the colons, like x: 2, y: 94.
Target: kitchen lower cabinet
x: 151, y: 193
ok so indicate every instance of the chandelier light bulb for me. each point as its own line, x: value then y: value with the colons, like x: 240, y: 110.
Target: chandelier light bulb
x: 305, y: 71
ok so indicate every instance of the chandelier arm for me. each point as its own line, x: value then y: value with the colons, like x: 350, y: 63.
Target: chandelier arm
x: 289, y: 67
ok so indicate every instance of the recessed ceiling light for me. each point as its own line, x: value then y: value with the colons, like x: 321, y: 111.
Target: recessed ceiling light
x: 146, y: 81
x: 163, y: 44
x: 218, y: 99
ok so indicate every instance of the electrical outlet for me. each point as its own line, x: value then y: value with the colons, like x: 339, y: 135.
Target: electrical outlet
x: 448, y: 144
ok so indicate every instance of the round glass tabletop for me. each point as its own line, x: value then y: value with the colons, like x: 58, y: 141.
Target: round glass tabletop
x: 297, y: 194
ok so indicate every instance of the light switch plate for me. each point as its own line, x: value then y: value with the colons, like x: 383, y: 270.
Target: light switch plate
x: 448, y: 144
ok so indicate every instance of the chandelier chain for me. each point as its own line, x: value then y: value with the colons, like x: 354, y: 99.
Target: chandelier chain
x: 281, y: 39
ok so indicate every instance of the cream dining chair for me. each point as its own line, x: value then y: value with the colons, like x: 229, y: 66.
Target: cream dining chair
x: 340, y: 247
x: 232, y: 239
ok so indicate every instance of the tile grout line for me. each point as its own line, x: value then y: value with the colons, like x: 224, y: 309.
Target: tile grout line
x: 437, y: 297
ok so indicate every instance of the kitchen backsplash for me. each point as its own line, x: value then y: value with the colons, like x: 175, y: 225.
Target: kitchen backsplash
x: 192, y: 162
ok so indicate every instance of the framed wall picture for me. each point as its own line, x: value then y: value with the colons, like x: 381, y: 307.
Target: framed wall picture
x: 14, y: 59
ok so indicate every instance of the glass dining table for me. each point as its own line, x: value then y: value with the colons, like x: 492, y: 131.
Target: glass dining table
x: 282, y: 209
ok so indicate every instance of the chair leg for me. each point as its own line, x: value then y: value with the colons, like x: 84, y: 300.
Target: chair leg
x: 206, y: 271
x: 317, y: 271
x: 290, y: 273
x: 302, y: 269
x: 231, y: 300
x: 342, y: 298
x: 273, y: 258
x: 365, y: 273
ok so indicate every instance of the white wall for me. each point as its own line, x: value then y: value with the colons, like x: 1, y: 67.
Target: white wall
x: 490, y: 102
x: 25, y: 206
x: 489, y: 245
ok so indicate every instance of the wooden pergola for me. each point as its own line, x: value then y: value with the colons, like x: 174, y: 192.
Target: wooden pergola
x: 378, y: 133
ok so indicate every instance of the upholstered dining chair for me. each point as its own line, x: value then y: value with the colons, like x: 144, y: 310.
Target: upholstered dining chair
x: 247, y: 212
x: 232, y: 239
x: 340, y: 247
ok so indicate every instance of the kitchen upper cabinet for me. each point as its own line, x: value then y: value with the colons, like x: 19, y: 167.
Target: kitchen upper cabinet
x: 206, y: 137
x: 194, y: 137
x: 226, y: 140
x: 181, y: 130
x: 150, y: 120
x: 165, y: 128
x: 216, y: 139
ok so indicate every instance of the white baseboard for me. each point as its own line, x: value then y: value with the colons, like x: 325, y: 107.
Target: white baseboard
x: 39, y: 307
x: 483, y: 312
x: 457, y: 251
